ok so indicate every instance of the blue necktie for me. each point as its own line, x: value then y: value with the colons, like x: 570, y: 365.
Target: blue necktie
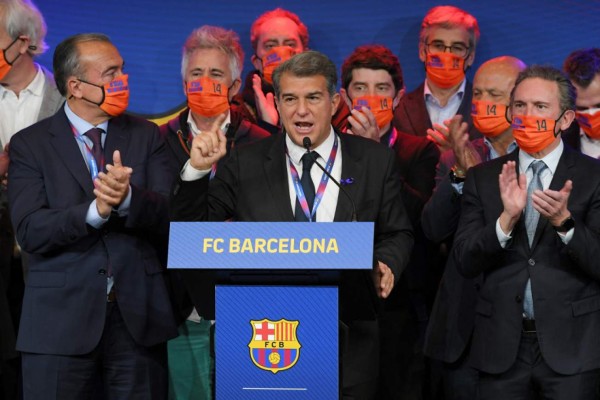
x: 532, y: 217
x: 308, y: 187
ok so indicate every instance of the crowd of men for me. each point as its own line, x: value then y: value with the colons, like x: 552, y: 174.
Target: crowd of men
x: 484, y: 196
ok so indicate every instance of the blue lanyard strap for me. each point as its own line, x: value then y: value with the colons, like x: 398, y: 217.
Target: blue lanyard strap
x: 322, y: 184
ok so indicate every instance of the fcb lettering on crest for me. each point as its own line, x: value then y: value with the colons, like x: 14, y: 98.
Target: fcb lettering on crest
x: 274, y: 345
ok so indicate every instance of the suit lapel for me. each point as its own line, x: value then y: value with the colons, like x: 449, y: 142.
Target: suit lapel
x: 561, y: 175
x: 276, y: 176
x: 116, y: 139
x: 350, y: 169
x: 416, y: 111
x: 68, y: 151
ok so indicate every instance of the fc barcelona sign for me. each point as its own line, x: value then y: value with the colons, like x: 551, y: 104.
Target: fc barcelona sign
x: 274, y: 345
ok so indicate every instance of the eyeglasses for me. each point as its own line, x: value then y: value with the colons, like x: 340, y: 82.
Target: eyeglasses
x: 458, y: 49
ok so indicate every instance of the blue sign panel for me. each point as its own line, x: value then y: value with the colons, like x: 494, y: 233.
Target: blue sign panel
x: 276, y: 342
x: 281, y: 245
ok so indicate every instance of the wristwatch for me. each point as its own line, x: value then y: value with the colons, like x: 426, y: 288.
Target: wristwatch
x: 456, y: 175
x: 566, y: 225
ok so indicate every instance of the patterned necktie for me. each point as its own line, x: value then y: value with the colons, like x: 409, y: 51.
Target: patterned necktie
x: 532, y: 217
x: 95, y: 135
x: 308, y: 159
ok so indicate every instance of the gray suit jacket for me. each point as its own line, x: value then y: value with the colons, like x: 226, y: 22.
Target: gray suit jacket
x: 52, y: 98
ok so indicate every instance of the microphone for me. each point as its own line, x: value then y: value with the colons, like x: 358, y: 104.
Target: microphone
x: 307, y: 143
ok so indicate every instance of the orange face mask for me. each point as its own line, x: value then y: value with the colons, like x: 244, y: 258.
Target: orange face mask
x: 115, y: 95
x: 5, y: 65
x: 207, y: 97
x: 380, y: 106
x: 445, y: 69
x: 489, y: 118
x: 533, y: 134
x: 272, y: 59
x: 589, y: 121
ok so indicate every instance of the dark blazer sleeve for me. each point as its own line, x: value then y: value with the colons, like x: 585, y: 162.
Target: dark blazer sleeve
x: 39, y: 228
x: 476, y: 245
x: 439, y: 219
x: 393, y: 230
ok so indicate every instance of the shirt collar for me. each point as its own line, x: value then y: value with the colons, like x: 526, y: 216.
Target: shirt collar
x: 511, y: 147
x: 194, y: 128
x: 429, y: 97
x: 551, y: 159
x: 35, y: 87
x: 296, y: 152
x: 81, y: 125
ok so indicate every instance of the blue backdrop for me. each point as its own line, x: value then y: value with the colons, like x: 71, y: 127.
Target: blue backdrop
x: 150, y: 33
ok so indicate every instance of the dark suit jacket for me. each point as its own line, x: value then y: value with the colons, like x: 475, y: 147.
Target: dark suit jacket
x: 564, y: 278
x: 50, y: 190
x: 240, y: 132
x: 453, y: 313
x: 253, y: 186
x: 411, y: 115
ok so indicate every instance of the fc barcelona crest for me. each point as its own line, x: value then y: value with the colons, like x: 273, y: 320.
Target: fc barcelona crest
x: 274, y: 345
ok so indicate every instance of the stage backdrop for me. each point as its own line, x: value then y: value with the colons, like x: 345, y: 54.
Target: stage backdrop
x: 149, y: 33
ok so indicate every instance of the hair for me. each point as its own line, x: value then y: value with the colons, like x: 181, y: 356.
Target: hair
x: 373, y: 56
x: 566, y: 90
x: 214, y: 37
x: 66, y: 58
x: 278, y: 13
x: 450, y: 17
x: 22, y: 17
x: 582, y: 66
x: 307, y: 64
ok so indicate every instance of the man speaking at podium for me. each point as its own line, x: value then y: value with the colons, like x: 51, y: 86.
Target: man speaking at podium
x: 265, y: 181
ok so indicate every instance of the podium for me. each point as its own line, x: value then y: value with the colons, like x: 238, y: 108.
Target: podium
x: 276, y: 301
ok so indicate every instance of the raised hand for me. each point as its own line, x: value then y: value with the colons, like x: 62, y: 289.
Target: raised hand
x: 439, y: 135
x: 112, y: 187
x: 513, y: 192
x: 552, y: 204
x: 209, y: 146
x: 265, y: 104
x: 363, y: 124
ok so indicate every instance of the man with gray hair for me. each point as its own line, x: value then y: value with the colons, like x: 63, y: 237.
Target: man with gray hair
x: 530, y: 228
x: 211, y: 67
x: 27, y: 94
x: 257, y: 184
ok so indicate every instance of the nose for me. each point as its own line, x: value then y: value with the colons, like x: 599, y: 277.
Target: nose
x: 302, y: 108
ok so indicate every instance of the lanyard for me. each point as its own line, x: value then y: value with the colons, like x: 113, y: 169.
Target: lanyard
x: 393, y: 138
x: 89, y: 157
x: 320, y: 191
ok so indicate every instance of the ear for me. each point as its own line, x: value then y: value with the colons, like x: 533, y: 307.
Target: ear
x: 74, y: 87
x: 257, y: 62
x: 470, y: 59
x: 23, y: 44
x: 235, y: 88
x: 346, y: 98
x: 422, y: 53
x: 184, y: 88
x: 335, y: 101
x: 566, y: 120
x: 398, y: 97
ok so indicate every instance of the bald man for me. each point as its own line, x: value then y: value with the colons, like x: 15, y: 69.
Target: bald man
x: 451, y: 322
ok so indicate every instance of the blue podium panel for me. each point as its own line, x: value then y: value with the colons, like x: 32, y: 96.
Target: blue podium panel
x: 276, y: 342
x: 276, y: 245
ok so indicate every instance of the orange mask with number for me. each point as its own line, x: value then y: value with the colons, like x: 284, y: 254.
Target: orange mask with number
x: 489, y: 118
x: 115, y: 95
x: 445, y: 69
x: 589, y: 121
x: 272, y: 59
x: 207, y: 97
x: 380, y: 106
x: 533, y: 134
